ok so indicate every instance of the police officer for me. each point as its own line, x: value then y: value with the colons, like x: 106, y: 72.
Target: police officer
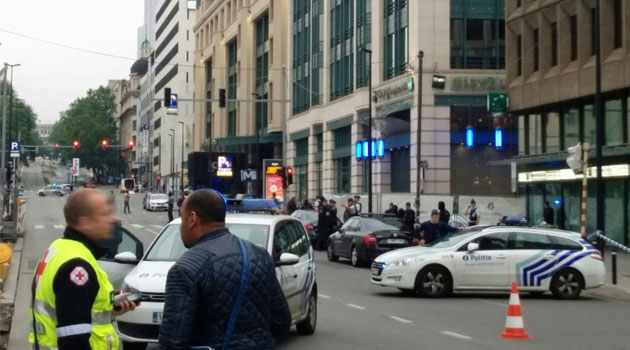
x: 433, y: 229
x: 73, y: 301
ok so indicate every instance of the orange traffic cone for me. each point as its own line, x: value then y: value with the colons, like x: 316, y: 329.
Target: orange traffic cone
x: 514, y: 328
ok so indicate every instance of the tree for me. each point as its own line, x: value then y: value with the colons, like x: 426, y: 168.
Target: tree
x: 88, y: 120
x: 21, y: 124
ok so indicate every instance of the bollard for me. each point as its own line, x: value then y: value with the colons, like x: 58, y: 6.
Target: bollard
x: 614, y: 266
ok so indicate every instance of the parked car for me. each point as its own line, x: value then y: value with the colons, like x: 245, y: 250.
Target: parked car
x: 283, y: 237
x: 157, y: 201
x: 309, y: 219
x: 490, y: 258
x: 363, y: 238
x: 51, y: 191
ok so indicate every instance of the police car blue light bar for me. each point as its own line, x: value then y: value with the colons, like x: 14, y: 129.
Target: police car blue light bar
x: 470, y: 137
x: 498, y: 138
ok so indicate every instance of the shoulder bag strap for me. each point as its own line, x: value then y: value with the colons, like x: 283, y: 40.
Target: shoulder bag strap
x: 239, y: 297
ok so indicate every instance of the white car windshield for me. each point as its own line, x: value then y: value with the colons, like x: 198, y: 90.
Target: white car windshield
x: 169, y: 245
x: 455, y: 238
x: 159, y: 196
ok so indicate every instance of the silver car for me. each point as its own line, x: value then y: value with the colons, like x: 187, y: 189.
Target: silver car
x: 51, y: 191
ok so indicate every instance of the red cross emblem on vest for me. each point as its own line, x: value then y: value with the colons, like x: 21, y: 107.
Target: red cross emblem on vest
x: 79, y: 276
x: 41, y: 266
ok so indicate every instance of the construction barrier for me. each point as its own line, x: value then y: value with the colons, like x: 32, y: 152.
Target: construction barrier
x: 610, y: 242
x: 20, y: 226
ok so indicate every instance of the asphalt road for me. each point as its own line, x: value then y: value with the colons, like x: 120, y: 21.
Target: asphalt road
x: 354, y: 314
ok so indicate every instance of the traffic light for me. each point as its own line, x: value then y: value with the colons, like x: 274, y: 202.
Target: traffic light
x: 289, y: 175
x: 167, y: 97
x: 222, y: 98
x: 159, y: 177
x: 131, y: 144
x: 56, y: 144
x: 574, y: 160
x: 104, y: 143
x: 75, y: 144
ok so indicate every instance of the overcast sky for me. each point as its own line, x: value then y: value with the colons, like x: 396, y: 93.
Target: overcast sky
x: 51, y: 77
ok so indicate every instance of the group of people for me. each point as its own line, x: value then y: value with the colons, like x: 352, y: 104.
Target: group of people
x: 73, y: 301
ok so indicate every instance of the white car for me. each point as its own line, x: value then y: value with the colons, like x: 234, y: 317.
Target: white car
x: 490, y: 258
x: 283, y: 237
x: 51, y: 191
x: 157, y: 201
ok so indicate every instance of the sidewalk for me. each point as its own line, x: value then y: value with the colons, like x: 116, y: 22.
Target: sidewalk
x: 621, y: 290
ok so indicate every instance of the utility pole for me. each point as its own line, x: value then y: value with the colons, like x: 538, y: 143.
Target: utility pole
x: 182, y: 161
x: 172, y: 134
x: 4, y: 136
x: 599, y: 126
x: 419, y: 180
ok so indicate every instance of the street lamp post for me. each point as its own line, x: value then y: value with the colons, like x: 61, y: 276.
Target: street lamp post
x: 418, y: 139
x: 369, y: 153
x: 182, y: 161
x: 172, y: 135
x: 11, y: 103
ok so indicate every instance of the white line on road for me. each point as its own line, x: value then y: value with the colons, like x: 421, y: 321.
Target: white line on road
x: 154, y: 232
x: 456, y: 335
x: 137, y: 226
x: 58, y: 226
x: 401, y: 320
x: 354, y: 306
x: 324, y: 296
x: 39, y: 227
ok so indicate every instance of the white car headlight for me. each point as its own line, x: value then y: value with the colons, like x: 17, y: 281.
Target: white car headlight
x: 125, y: 288
x: 405, y: 261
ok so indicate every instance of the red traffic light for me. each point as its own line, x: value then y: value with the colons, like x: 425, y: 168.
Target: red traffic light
x: 104, y: 143
x: 289, y: 171
x: 56, y: 145
x: 159, y: 178
x: 75, y: 144
x: 131, y: 144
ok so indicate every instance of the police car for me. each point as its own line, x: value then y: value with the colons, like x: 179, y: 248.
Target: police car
x: 490, y: 258
x: 283, y: 237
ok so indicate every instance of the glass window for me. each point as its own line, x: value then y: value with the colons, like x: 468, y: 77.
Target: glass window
x: 614, y: 204
x: 492, y: 241
x: 262, y: 73
x: 342, y: 165
x: 536, y: 50
x: 168, y: 246
x: 122, y: 242
x: 562, y: 243
x: 613, y: 110
x: 554, y: 44
x: 527, y: 240
x: 617, y: 21
x: 552, y: 132
x: 535, y: 134
x: 290, y: 238
x: 519, y: 55
x: 400, y: 178
x: 341, y: 39
x: 231, y: 87
x: 396, y: 37
x: 574, y: 39
x: 535, y: 202
x: 571, y: 120
x: 571, y: 204
x: 590, y: 124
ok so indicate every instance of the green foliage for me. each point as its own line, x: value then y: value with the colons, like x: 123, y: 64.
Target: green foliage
x: 89, y: 119
x: 21, y: 123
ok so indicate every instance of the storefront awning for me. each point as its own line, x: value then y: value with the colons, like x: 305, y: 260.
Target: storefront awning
x: 607, y: 151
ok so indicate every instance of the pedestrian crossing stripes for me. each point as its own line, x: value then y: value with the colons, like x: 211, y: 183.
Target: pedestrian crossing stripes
x: 59, y: 226
x: 39, y: 227
x: 137, y: 226
x: 158, y: 226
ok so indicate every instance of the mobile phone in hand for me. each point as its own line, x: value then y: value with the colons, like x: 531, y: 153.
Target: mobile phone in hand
x: 135, y: 298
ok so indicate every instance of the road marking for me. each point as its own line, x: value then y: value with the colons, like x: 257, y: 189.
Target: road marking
x: 154, y: 232
x: 401, y: 320
x: 59, y: 226
x: 137, y: 226
x: 354, y: 306
x: 157, y: 226
x: 456, y: 335
x: 39, y: 227
x: 324, y: 296
x: 492, y: 302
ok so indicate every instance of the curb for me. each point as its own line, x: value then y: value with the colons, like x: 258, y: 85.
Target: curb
x: 611, y: 291
x: 10, y: 291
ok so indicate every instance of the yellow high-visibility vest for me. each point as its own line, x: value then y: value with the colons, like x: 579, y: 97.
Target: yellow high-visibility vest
x: 103, y: 335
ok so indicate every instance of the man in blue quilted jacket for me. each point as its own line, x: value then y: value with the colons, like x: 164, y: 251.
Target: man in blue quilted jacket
x: 202, y: 286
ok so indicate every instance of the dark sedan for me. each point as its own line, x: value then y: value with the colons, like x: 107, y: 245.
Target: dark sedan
x: 362, y: 239
x: 310, y: 219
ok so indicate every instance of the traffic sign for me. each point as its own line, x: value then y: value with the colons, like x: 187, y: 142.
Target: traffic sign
x: 75, y: 166
x: 498, y: 102
x: 15, y: 149
x: 249, y: 175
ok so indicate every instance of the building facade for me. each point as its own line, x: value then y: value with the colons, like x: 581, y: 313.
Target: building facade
x: 551, y: 80
x: 44, y: 130
x: 242, y: 48
x: 334, y: 45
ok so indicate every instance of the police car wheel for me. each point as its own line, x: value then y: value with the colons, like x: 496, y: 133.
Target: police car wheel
x: 307, y: 327
x: 133, y: 346
x: 433, y: 282
x: 330, y: 254
x: 567, y: 284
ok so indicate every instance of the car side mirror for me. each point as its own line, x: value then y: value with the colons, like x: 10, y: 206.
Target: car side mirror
x: 126, y: 258
x: 288, y: 259
x: 473, y: 246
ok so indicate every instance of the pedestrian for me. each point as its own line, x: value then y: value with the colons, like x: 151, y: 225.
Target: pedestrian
x: 358, y: 208
x: 432, y: 229
x: 170, y: 204
x: 180, y: 203
x: 473, y: 213
x: 127, y: 209
x: 73, y: 301
x: 401, y: 213
x: 445, y: 216
x: 409, y: 218
x: 223, y: 292
x: 392, y: 209
x: 275, y: 199
x: 548, y: 213
x: 318, y: 202
x: 307, y: 205
x: 292, y: 205
x: 332, y: 218
x: 324, y: 228
x: 347, y: 210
